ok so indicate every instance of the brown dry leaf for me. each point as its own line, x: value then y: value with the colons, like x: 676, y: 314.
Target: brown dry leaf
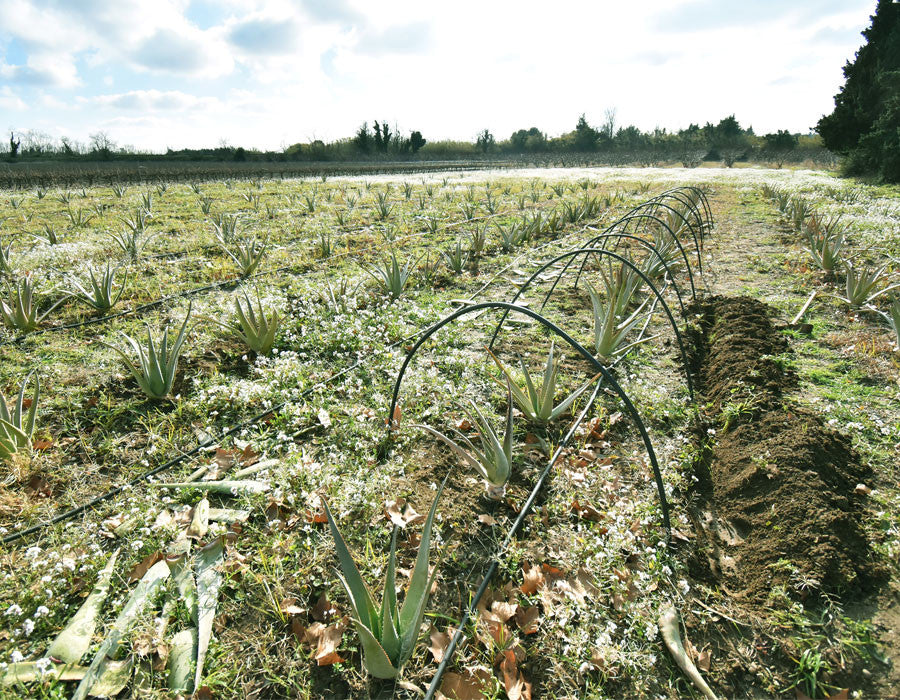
x: 528, y: 618
x: 204, y: 693
x: 143, y: 566
x: 533, y: 579
x: 289, y: 607
x: 163, y: 520
x: 42, y: 444
x: 401, y: 513
x: 586, y: 579
x: 248, y: 456
x: 324, y: 609
x: 439, y: 643
x: 551, y: 571
x: 862, y: 490
x: 328, y: 642
x: 223, y: 461
x: 513, y: 682
x: 486, y: 519
x: 586, y: 511
x: 456, y: 686
x: 503, y: 610
x: 703, y: 660
x: 299, y: 630
x: 398, y: 415
x: 316, y: 517
x: 38, y: 486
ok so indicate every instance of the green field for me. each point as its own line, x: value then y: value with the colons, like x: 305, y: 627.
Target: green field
x: 353, y: 270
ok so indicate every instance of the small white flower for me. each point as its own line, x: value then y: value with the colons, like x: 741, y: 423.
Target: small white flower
x: 42, y: 611
x: 13, y: 610
x: 28, y: 626
x: 43, y: 665
x: 16, y: 656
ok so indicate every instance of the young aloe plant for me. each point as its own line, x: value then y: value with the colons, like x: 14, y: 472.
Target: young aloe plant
x: 455, y: 257
x: 861, y: 283
x: 101, y: 295
x: 494, y: 460
x: 17, y: 427
x: 826, y: 238
x: 21, y: 312
x: 255, y: 327
x: 392, y: 278
x: 893, y: 318
x: 155, y: 370
x: 388, y: 635
x: 5, y: 264
x: 248, y: 254
x: 609, y: 332
x: 537, y: 402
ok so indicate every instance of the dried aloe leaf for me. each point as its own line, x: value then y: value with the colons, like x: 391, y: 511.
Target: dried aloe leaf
x: 200, y: 520
x: 181, y: 661
x: 209, y: 580
x: 106, y: 685
x: 223, y: 487
x: 75, y: 639
x: 137, y: 601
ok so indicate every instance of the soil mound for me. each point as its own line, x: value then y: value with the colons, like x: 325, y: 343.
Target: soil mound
x: 780, y: 485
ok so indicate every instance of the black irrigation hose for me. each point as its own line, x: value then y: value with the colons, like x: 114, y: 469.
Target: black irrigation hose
x: 656, y: 206
x: 595, y: 364
x: 624, y: 261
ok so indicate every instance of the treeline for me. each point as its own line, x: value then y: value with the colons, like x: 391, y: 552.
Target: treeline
x: 726, y: 141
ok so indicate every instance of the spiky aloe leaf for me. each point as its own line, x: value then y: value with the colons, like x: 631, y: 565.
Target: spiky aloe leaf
x: 137, y: 601
x: 223, y: 487
x: 75, y: 639
x: 209, y: 581
x: 17, y: 427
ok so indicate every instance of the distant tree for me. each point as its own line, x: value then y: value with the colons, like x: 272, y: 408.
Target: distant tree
x: 14, y: 145
x: 485, y: 141
x: 416, y: 141
x: 532, y: 139
x: 362, y: 141
x: 382, y: 137
x: 608, y: 129
x: 240, y: 154
x: 586, y: 136
x: 865, y: 123
x: 101, y: 144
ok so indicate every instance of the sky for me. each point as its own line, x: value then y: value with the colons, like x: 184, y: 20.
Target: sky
x: 268, y: 73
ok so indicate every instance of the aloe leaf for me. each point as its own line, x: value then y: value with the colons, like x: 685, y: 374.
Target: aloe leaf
x: 209, y: 580
x: 223, y: 487
x: 114, y: 678
x: 73, y: 642
x: 181, y: 661
x: 138, y: 599
x: 376, y: 659
x: 418, y: 583
x: 390, y: 640
x: 360, y: 597
x: 29, y: 671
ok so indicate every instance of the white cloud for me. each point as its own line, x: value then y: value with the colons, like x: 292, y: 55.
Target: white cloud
x: 154, y: 100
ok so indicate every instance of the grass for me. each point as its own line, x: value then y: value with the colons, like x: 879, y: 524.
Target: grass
x: 325, y: 438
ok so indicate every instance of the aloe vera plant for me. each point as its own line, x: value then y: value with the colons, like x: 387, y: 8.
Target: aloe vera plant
x: 132, y: 242
x: 392, y: 278
x: 17, y: 426
x: 225, y: 227
x: 893, y: 319
x: 157, y: 363
x: 536, y: 402
x: 455, y: 257
x: 5, y: 264
x: 248, y: 254
x: 21, y: 313
x: 101, y: 295
x: 861, y: 284
x: 494, y: 460
x: 255, y: 327
x: 388, y: 635
x: 609, y: 331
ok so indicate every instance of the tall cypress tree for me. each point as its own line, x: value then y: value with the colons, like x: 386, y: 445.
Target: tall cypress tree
x: 865, y: 123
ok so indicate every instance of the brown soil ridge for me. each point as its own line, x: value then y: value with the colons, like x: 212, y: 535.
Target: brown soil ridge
x: 779, y: 483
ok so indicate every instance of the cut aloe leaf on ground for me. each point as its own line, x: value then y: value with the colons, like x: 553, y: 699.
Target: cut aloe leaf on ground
x: 222, y: 487
x: 75, y: 639
x: 181, y: 661
x: 209, y: 580
x: 228, y: 515
x: 109, y: 684
x: 135, y: 605
x: 199, y: 521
